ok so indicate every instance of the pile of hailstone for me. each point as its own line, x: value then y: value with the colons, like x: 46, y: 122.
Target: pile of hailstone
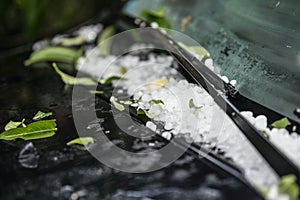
x: 186, y: 108
x: 287, y: 142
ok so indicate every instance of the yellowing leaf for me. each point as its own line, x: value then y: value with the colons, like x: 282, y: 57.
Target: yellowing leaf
x: 110, y: 79
x: 81, y: 141
x: 12, y: 125
x: 41, y: 115
x: 282, y: 123
x: 70, y: 80
x: 72, y: 41
x: 197, y: 51
x: 118, y: 106
x: 96, y: 92
x: 123, y: 70
x: 126, y: 102
x: 184, y: 22
x: 159, y: 83
x: 193, y: 106
x: 35, y: 130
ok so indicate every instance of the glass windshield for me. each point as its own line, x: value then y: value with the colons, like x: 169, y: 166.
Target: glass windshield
x: 254, y: 42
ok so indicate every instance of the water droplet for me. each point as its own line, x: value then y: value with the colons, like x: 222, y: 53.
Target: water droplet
x: 78, y: 194
x: 297, y: 112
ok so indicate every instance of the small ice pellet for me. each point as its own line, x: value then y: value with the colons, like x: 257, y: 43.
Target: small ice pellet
x: 183, y: 84
x: 167, y: 135
x: 137, y: 21
x: 40, y: 45
x: 154, y: 25
x: 225, y: 79
x: 120, y: 91
x: 233, y: 82
x: 168, y: 126
x: 134, y: 105
x: 151, y: 125
x: 163, y: 31
x: 272, y: 194
x: 143, y: 24
x: 112, y: 98
x: 247, y: 114
x: 294, y: 135
x: 151, y: 144
x: 261, y: 122
x: 208, y: 62
x: 80, y: 61
x: 89, y: 33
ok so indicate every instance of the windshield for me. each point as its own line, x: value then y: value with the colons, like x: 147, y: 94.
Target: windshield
x: 254, y: 42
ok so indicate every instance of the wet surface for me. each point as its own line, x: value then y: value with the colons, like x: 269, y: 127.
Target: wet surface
x: 57, y: 171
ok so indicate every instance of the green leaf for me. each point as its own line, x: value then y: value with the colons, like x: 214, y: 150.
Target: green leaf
x: 96, y: 92
x: 198, y: 51
x: 70, y: 80
x: 104, y: 42
x: 159, y: 12
x: 282, y: 123
x: 158, y: 16
x: 41, y: 115
x: 118, y: 106
x: 72, y: 41
x: 193, y: 106
x: 141, y: 111
x: 35, y: 130
x: 81, y: 141
x: 287, y: 185
x: 12, y: 125
x: 156, y: 101
x: 110, y: 79
x: 54, y: 54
